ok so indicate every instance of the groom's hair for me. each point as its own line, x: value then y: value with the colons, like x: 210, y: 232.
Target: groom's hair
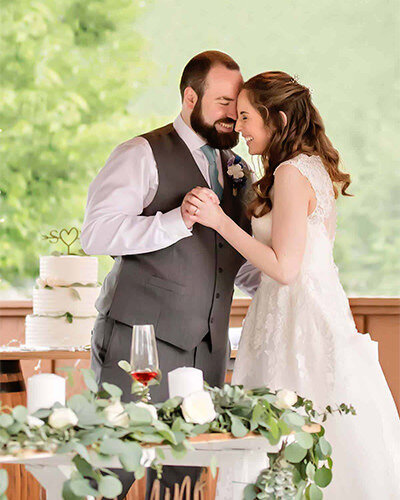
x: 196, y: 70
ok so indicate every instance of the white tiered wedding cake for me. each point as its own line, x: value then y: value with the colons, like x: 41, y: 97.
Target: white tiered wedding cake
x: 63, y: 302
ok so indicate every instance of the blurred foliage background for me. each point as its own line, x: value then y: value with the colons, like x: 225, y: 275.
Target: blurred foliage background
x: 80, y: 76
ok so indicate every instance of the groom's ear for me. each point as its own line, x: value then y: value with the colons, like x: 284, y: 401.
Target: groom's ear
x: 190, y: 97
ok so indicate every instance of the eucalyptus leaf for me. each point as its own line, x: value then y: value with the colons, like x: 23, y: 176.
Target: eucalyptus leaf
x: 110, y: 487
x: 112, y: 446
x: 294, y: 453
x: 304, y: 439
x: 326, y: 448
x: 89, y: 378
x: 6, y: 420
x: 20, y: 413
x: 238, y: 429
x: 3, y: 481
x: 112, y: 389
x: 125, y: 365
x: 314, y: 493
x: 82, y: 487
x: 323, y: 477
x: 130, y: 458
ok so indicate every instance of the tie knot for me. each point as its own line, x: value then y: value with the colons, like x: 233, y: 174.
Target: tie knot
x: 210, y: 153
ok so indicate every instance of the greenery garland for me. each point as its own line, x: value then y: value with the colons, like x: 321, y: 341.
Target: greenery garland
x: 298, y: 471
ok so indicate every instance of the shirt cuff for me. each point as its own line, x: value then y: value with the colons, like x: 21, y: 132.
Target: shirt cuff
x: 172, y: 223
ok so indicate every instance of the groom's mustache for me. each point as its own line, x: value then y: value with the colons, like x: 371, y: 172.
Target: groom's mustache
x: 227, y: 121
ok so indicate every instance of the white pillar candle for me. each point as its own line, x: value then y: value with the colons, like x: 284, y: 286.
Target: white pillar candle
x: 44, y: 390
x: 185, y: 380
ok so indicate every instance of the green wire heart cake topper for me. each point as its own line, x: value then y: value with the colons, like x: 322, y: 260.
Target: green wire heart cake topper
x: 67, y: 236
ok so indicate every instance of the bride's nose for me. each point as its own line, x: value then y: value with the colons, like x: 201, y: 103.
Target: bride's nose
x: 238, y: 128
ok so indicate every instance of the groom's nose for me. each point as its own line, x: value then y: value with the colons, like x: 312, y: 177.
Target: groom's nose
x: 232, y: 112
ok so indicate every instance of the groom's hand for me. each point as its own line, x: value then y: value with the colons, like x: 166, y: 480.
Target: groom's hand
x: 188, y: 209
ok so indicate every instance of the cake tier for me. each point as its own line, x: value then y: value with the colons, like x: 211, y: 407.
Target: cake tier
x: 78, y: 300
x: 45, y: 331
x: 68, y: 269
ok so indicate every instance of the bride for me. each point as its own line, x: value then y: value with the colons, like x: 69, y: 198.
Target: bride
x: 299, y: 333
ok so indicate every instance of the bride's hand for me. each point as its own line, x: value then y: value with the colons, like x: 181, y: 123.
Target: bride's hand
x: 204, y: 207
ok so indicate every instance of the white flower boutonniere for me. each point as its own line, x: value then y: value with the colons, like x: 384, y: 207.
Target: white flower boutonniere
x: 238, y: 171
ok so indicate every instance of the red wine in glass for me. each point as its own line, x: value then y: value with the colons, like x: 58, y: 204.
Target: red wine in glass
x: 145, y: 377
x: 144, y: 356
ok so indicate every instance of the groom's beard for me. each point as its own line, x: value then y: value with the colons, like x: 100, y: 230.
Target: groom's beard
x: 215, y: 139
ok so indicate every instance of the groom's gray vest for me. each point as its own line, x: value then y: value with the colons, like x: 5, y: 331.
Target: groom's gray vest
x: 184, y: 290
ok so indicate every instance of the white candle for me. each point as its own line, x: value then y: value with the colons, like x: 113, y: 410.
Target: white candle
x: 44, y: 390
x: 185, y: 380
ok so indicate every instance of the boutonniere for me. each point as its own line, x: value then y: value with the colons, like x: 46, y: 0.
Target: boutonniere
x: 238, y: 171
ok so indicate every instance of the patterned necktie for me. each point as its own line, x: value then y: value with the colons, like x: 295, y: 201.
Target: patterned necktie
x: 213, y: 169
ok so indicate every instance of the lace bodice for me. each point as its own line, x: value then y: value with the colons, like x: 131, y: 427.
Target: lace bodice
x: 321, y: 222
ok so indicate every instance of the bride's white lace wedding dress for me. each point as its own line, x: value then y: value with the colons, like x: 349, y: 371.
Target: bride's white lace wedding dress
x: 302, y: 337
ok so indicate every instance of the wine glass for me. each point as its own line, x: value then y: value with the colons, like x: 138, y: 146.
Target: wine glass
x: 144, y: 357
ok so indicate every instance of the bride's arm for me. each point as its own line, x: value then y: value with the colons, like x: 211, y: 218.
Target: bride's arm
x: 281, y: 261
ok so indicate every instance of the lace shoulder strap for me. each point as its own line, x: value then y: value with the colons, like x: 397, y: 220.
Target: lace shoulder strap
x: 314, y: 170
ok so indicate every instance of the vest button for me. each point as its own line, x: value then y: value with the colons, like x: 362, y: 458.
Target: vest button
x: 220, y: 245
x: 217, y: 295
x: 220, y: 269
x: 212, y: 320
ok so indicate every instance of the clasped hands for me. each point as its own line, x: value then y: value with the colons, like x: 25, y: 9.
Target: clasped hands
x: 202, y: 205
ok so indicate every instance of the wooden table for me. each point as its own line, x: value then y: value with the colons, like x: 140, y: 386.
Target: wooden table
x: 239, y: 460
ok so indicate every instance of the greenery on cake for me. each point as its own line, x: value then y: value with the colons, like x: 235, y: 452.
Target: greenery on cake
x: 96, y: 426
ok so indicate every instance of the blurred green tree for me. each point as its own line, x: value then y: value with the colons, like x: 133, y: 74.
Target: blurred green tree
x: 69, y: 71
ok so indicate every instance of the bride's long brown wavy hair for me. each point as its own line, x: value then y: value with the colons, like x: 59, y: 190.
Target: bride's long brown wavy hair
x: 275, y: 91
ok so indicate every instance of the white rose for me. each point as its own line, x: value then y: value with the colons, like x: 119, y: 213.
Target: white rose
x: 285, y: 399
x: 236, y: 171
x: 150, y: 408
x: 40, y: 283
x: 34, y: 421
x: 61, y: 417
x: 198, y: 408
x: 116, y: 414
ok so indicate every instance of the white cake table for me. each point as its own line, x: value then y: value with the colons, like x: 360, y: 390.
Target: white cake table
x: 239, y: 460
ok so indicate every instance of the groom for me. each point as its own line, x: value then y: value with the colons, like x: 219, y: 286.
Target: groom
x: 166, y: 273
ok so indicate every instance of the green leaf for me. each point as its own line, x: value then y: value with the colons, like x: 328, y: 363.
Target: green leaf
x: 249, y: 492
x: 20, y: 413
x: 130, y: 457
x: 323, y: 477
x: 294, y: 453
x: 110, y: 487
x: 178, y: 451
x: 84, y: 467
x: 112, y: 389
x: 326, y: 448
x: 125, y: 366
x: 139, y: 416
x: 310, y: 470
x: 160, y: 453
x: 67, y: 492
x: 89, y: 378
x: 82, y: 487
x: 294, y: 419
x: 6, y: 420
x: 213, y: 466
x: 139, y: 472
x: 314, y: 493
x: 3, y: 481
x: 304, y: 439
x: 238, y: 429
x: 82, y: 451
x: 112, y: 446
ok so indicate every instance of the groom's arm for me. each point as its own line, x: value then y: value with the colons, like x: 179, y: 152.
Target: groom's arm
x: 127, y: 184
